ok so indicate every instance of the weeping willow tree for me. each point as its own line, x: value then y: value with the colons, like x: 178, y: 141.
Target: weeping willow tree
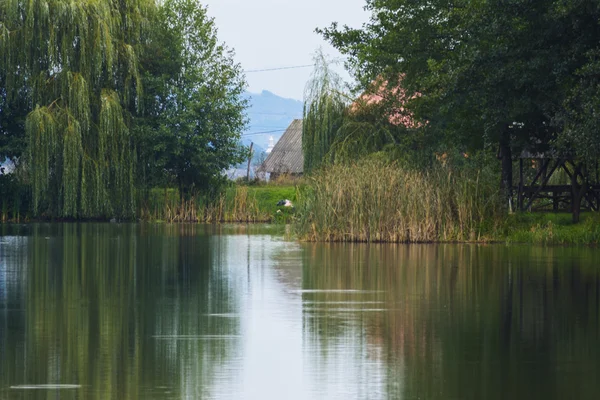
x: 324, y: 108
x: 336, y: 131
x: 378, y: 122
x: 76, y: 62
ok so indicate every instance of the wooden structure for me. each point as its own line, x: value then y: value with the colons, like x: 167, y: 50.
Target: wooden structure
x: 558, y: 184
x: 287, y: 156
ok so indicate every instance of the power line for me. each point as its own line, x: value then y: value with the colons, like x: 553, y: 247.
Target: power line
x: 271, y: 113
x: 260, y: 133
x: 280, y: 68
x: 267, y: 126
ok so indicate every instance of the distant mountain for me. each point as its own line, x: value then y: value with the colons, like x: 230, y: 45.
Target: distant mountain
x: 269, y: 115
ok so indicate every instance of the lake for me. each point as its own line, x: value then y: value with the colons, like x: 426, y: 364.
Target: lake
x: 144, y: 311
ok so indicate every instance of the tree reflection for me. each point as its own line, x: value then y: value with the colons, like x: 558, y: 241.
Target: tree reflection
x: 106, y: 306
x: 463, y: 321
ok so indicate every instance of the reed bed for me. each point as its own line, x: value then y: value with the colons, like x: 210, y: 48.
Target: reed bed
x: 235, y: 204
x: 375, y: 201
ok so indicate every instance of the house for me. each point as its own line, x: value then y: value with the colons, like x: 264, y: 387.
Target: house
x: 392, y: 98
x: 287, y: 156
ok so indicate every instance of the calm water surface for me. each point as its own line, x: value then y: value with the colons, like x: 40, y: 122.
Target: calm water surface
x: 120, y: 311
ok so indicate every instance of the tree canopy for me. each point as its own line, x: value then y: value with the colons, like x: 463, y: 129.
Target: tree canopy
x: 336, y: 129
x: 75, y: 64
x: 195, y: 106
x: 324, y: 108
x: 510, y: 73
x: 75, y: 110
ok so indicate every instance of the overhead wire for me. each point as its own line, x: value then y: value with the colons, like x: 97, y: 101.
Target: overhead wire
x: 262, y: 132
x: 279, y: 68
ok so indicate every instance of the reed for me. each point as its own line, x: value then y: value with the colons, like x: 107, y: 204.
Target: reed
x: 236, y: 203
x: 377, y: 201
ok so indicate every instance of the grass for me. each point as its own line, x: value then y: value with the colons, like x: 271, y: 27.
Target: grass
x: 368, y: 201
x: 551, y: 229
x: 375, y: 201
x: 238, y: 203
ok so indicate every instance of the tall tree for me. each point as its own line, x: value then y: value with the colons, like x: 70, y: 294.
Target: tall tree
x: 76, y: 64
x: 324, y: 108
x: 195, y: 112
x: 491, y: 73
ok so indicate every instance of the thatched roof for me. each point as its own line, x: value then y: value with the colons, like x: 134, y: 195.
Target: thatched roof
x: 287, y: 156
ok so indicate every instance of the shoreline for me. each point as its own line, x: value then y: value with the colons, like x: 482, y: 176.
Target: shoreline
x: 518, y: 229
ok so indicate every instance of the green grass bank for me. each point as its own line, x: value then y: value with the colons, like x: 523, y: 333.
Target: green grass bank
x: 368, y: 201
x: 550, y: 229
x: 237, y: 203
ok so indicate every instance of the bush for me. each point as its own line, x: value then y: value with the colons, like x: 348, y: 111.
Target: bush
x: 14, y: 198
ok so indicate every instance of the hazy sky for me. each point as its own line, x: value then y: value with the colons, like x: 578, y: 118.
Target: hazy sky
x: 280, y: 33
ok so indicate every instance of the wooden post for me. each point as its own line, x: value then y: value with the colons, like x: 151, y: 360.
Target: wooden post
x: 577, y: 190
x: 506, y: 157
x: 521, y: 183
x: 249, y: 160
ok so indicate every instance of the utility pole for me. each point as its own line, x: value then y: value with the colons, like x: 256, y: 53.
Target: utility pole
x: 249, y: 160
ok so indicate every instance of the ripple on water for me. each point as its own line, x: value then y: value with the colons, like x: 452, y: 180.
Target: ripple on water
x: 48, y: 386
x: 195, y: 337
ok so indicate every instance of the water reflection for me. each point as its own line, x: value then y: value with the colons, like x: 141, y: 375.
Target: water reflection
x: 93, y: 299
x: 461, y: 321
x: 126, y: 311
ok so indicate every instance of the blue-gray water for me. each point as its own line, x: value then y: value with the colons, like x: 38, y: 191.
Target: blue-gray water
x: 124, y: 311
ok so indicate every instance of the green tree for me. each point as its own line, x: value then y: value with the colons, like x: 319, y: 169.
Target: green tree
x: 195, y: 115
x: 12, y: 124
x: 493, y: 73
x: 324, y: 108
x: 73, y: 66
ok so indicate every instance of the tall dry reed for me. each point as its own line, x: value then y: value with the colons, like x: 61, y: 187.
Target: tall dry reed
x: 374, y: 201
x: 235, y: 204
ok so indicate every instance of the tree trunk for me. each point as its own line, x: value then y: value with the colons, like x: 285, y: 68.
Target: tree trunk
x: 249, y: 160
x: 577, y: 192
x: 506, y: 157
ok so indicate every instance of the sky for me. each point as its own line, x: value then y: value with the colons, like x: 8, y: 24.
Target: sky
x: 280, y: 33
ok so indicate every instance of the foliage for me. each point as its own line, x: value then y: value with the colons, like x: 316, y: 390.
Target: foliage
x: 324, y: 108
x: 74, y: 64
x: 372, y: 126
x: 14, y: 198
x: 488, y: 73
x: 335, y: 131
x: 195, y: 106
x: 12, y: 123
x: 579, y: 116
x: 99, y: 99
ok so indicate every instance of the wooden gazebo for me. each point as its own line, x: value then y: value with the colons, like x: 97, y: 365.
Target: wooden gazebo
x: 559, y: 183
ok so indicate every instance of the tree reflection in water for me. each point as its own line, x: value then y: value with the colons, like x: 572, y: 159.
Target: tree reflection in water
x: 462, y: 321
x: 92, y: 301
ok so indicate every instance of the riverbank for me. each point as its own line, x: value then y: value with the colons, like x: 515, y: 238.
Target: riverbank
x: 551, y: 229
x: 397, y: 207
x: 376, y: 202
x: 237, y: 203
